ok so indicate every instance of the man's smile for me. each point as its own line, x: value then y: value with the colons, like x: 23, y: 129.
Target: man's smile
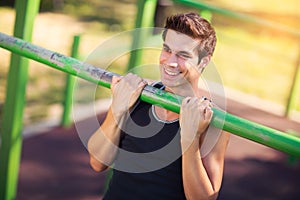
x: 171, y: 72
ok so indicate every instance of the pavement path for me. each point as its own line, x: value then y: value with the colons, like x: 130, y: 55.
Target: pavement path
x: 55, y: 165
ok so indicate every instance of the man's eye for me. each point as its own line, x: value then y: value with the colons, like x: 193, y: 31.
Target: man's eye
x: 184, y: 56
x: 166, y: 49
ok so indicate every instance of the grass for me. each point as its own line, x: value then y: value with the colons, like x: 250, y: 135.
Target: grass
x: 248, y: 58
x: 257, y: 65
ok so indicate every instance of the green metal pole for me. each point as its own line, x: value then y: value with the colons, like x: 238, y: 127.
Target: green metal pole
x: 241, y: 16
x: 295, y: 89
x: 144, y: 18
x: 66, y: 117
x: 222, y: 120
x: 11, y: 138
x: 206, y: 14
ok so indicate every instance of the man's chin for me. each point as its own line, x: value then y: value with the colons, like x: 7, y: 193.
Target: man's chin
x: 171, y: 84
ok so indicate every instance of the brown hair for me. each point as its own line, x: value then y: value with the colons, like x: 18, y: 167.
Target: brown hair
x: 196, y: 27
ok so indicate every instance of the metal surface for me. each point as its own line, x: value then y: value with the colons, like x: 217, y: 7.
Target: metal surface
x: 294, y: 94
x: 222, y: 120
x: 144, y: 18
x: 70, y: 82
x: 244, y: 17
x: 11, y: 128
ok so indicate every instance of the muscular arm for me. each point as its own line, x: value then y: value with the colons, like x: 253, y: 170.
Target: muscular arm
x: 103, y: 144
x: 202, y: 176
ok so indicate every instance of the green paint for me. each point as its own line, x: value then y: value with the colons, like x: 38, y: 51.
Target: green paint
x: 222, y: 120
x: 144, y: 18
x: 294, y: 96
x: 243, y: 17
x: 70, y: 81
x: 11, y: 138
x: 206, y: 14
x: 262, y: 134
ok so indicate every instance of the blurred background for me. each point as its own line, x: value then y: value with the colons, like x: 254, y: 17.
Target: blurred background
x: 251, y: 58
x: 257, y: 57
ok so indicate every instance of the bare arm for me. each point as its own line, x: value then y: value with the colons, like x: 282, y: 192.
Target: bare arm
x: 103, y: 145
x: 202, y: 177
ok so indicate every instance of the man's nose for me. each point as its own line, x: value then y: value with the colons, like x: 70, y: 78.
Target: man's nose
x: 172, y: 60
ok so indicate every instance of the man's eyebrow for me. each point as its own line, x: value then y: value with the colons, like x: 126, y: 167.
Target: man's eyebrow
x: 181, y: 52
x: 187, y: 53
x: 165, y: 45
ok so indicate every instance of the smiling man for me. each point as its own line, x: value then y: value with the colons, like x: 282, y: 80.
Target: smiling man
x: 156, y: 153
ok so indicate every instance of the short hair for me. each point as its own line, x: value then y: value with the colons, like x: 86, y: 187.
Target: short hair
x: 196, y: 27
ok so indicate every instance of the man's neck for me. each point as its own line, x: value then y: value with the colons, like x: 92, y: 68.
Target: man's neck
x: 185, y: 90
x: 165, y: 114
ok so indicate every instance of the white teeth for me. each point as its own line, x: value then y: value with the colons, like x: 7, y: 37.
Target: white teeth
x: 171, y: 73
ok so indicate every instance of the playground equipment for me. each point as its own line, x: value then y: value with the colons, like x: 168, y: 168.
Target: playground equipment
x: 145, y: 19
x: 11, y: 137
x: 233, y: 124
x: 70, y: 81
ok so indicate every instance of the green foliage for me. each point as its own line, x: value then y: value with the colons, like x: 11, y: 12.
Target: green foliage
x: 113, y: 13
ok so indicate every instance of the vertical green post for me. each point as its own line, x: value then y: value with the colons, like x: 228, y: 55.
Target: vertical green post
x: 293, y: 97
x: 70, y: 81
x: 11, y: 136
x: 206, y: 14
x: 144, y: 18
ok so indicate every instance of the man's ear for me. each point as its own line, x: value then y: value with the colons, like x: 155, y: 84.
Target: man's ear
x: 203, y: 63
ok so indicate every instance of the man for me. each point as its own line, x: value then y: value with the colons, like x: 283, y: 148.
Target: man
x: 164, y: 162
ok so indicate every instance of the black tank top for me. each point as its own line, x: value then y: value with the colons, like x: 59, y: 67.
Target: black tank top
x: 148, y: 165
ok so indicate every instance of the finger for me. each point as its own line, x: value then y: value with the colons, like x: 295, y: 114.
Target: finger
x: 145, y: 82
x: 185, y: 101
x: 208, y: 114
x: 205, y: 103
x: 135, y: 80
x: 115, y: 79
x: 142, y: 84
x: 206, y: 99
x: 129, y: 77
x: 194, y: 100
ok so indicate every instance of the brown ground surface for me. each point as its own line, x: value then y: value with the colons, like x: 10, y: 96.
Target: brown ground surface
x: 55, y: 165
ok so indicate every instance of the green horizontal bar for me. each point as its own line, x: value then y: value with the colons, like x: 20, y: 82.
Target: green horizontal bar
x: 241, y: 16
x: 222, y: 120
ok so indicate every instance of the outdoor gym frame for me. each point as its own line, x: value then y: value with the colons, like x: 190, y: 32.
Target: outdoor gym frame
x: 222, y: 120
x: 11, y: 140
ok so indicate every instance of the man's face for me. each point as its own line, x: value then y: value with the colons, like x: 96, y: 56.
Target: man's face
x: 179, y: 60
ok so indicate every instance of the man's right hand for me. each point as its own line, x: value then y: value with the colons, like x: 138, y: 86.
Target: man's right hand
x: 125, y: 91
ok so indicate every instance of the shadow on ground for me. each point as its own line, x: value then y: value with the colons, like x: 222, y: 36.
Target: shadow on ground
x: 55, y: 165
x: 253, y: 178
